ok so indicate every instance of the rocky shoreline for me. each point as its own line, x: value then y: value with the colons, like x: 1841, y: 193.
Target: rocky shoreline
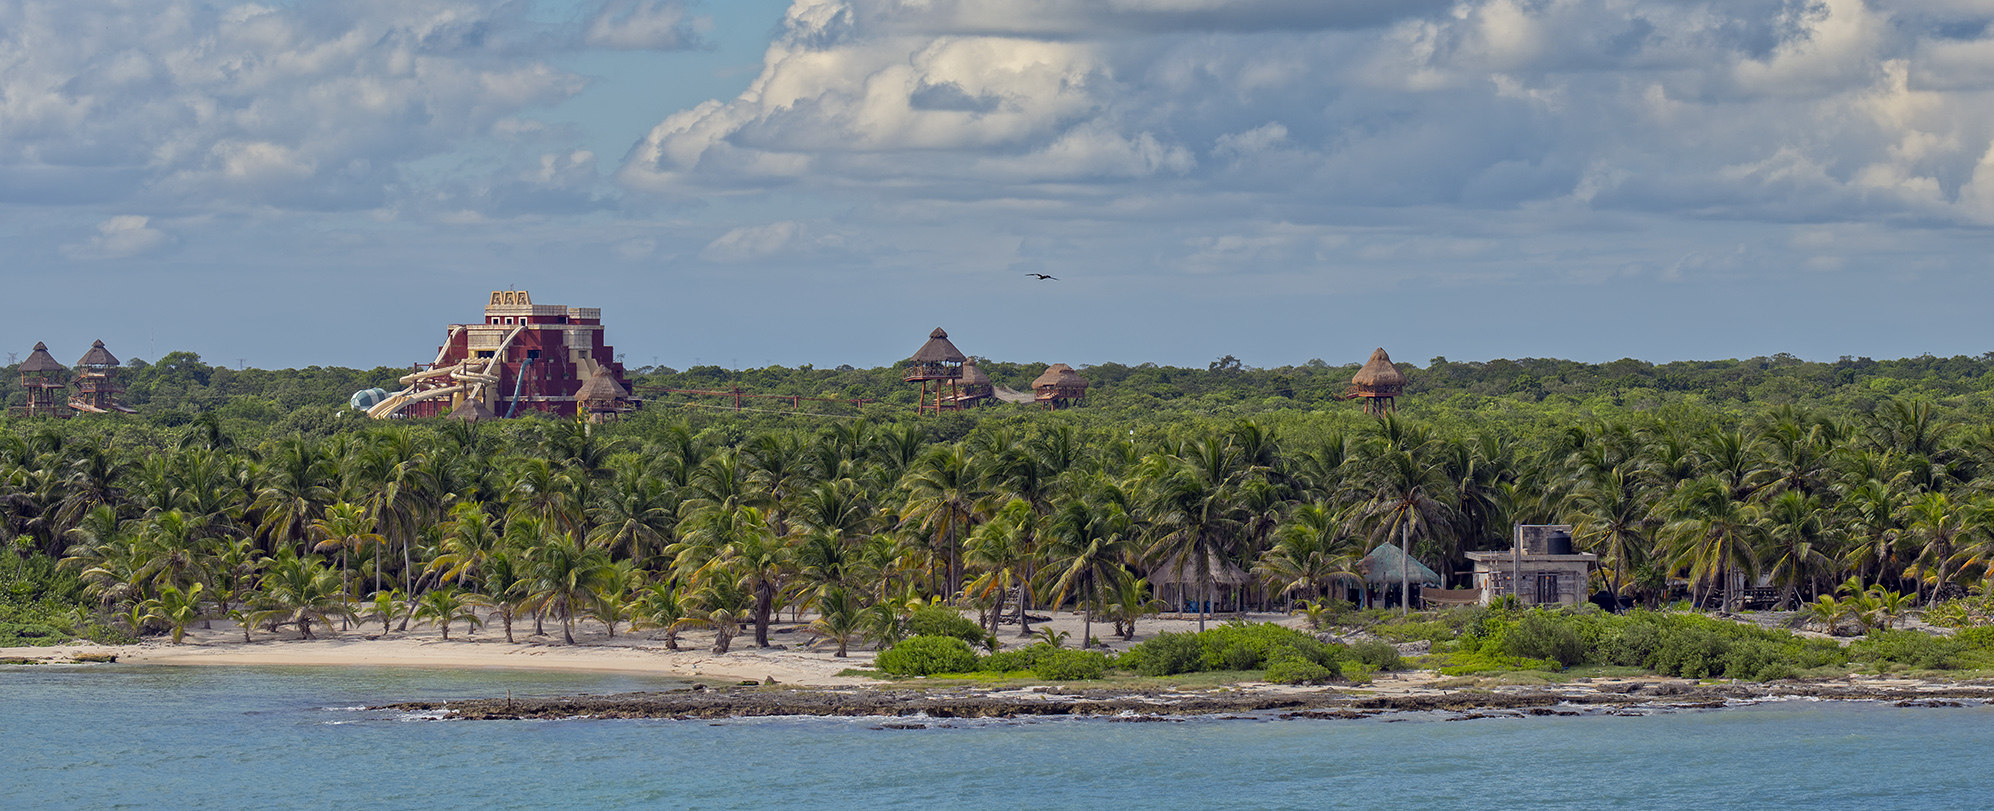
x: 704, y: 703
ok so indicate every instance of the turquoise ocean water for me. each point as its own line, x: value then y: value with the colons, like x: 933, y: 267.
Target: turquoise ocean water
x: 123, y: 736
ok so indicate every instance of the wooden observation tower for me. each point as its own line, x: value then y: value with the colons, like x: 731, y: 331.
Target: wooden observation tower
x: 938, y: 368
x: 97, y: 382
x: 43, y: 378
x: 1377, y: 384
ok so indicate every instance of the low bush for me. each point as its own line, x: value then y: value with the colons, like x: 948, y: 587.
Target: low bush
x: 1070, y: 665
x: 1016, y: 659
x: 1295, y: 670
x: 1545, y: 635
x: 1376, y: 655
x: 927, y: 655
x: 940, y: 620
x: 1917, y: 650
x: 1430, y: 631
x: 1166, y: 655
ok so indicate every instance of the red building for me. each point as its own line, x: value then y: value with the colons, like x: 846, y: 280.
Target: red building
x: 521, y: 357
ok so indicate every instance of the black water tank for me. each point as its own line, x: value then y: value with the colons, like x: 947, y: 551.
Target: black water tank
x: 1559, y: 542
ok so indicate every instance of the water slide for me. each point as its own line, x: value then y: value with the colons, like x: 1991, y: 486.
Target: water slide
x: 472, y: 375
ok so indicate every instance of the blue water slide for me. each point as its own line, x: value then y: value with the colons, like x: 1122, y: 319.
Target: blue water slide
x: 518, y: 384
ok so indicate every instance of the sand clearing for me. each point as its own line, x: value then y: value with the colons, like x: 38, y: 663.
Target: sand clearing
x: 796, y: 662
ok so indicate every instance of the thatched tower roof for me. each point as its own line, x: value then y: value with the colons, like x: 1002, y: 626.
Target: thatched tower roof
x: 939, y: 350
x: 1378, y: 372
x: 973, y: 375
x: 1061, y: 376
x: 1383, y: 566
x: 98, y: 356
x: 41, y: 361
x: 601, y: 387
x: 472, y: 411
x: 1175, y: 570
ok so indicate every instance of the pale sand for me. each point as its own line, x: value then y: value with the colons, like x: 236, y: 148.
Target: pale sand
x: 798, y: 661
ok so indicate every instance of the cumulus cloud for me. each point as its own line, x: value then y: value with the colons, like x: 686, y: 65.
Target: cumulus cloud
x: 319, y: 106
x: 120, y: 237
x: 752, y: 242
x: 1756, y: 109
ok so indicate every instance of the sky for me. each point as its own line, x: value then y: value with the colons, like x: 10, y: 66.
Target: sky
x: 755, y: 182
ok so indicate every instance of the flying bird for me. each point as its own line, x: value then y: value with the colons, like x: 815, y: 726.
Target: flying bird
x: 1043, y: 277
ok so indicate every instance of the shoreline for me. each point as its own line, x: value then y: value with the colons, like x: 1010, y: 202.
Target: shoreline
x: 1106, y: 703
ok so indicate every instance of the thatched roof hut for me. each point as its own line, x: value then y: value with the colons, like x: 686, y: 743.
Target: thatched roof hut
x: 938, y: 349
x: 602, y: 388
x: 975, y: 382
x: 1177, y: 571
x: 41, y: 361
x: 473, y: 410
x: 1379, y: 375
x: 98, y: 356
x: 1386, y: 564
x: 1058, y: 386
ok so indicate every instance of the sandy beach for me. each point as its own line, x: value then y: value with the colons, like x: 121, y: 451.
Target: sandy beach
x: 795, y: 658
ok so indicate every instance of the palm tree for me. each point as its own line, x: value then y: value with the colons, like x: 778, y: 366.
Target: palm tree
x: 1190, y: 511
x: 738, y: 541
x: 1611, y: 515
x: 385, y: 607
x: 661, y: 606
x: 1409, y: 497
x: 469, y: 542
x: 1312, y: 551
x: 295, y: 490
x: 1712, y: 532
x: 1937, y: 525
x: 178, y: 609
x: 566, y: 577
x: 344, y: 527
x: 1129, y: 599
x: 1086, y: 545
x: 942, y: 490
x: 637, y: 516
x: 719, y: 603
x: 999, y: 549
x: 302, y: 591
x: 840, y: 618
x: 1795, y: 540
x: 446, y: 605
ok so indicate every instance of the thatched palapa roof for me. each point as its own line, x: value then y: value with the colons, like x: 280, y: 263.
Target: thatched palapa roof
x: 1061, y: 376
x: 1384, y: 565
x: 98, y: 356
x: 1378, y: 372
x: 1175, y: 570
x: 472, y: 411
x: 41, y: 361
x: 939, y: 350
x: 602, y: 387
x: 973, y: 375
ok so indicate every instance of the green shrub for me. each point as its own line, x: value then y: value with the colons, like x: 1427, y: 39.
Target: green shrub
x: 1432, y: 631
x: 1377, y: 655
x: 940, y: 620
x: 1242, y: 646
x: 1166, y: 655
x: 1976, y: 638
x: 926, y: 655
x: 1918, y: 650
x: 1070, y: 665
x: 1014, y: 660
x: 1296, y: 670
x: 1546, y: 635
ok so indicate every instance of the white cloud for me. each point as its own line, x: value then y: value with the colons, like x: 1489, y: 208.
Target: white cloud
x: 120, y: 237
x: 642, y: 25
x: 752, y: 242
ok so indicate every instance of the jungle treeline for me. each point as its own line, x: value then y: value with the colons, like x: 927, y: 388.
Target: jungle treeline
x: 678, y: 518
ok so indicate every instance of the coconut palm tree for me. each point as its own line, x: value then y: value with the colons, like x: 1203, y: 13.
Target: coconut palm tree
x: 840, y: 618
x: 998, y: 548
x: 1313, y: 550
x: 1713, y: 533
x: 1410, y: 497
x: 1937, y: 525
x: 943, y: 489
x: 1085, y: 546
x: 442, y: 606
x: 178, y: 609
x: 565, y: 577
x: 720, y: 604
x: 344, y: 528
x: 469, y: 542
x: 661, y: 606
x: 1796, y: 543
x: 1612, y: 515
x: 302, y: 591
x: 1129, y: 598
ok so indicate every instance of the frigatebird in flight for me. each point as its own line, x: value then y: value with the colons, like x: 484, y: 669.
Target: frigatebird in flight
x: 1043, y: 277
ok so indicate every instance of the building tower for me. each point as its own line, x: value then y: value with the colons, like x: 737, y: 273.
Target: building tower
x: 601, y: 399
x: 1059, y: 387
x: 45, y: 382
x: 522, y: 357
x: 97, y: 382
x: 938, y: 368
x: 1378, y: 384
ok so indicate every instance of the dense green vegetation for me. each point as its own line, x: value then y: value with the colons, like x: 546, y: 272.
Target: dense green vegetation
x: 227, y: 498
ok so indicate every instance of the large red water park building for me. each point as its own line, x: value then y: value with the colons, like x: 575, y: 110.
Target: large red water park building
x: 522, y: 357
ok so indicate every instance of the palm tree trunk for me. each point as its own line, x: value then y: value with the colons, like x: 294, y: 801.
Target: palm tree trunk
x: 1024, y: 623
x: 1405, y: 567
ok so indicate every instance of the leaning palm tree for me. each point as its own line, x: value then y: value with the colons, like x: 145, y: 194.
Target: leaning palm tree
x: 661, y: 606
x: 719, y: 604
x: 998, y: 548
x: 1086, y: 545
x: 1129, y: 598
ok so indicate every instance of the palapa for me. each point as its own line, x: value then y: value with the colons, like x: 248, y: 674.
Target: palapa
x: 472, y: 410
x: 98, y: 356
x: 1060, y: 376
x: 939, y: 350
x: 41, y: 361
x: 1379, y: 373
x: 1175, y: 571
x: 973, y: 374
x: 601, y: 388
x: 1386, y: 564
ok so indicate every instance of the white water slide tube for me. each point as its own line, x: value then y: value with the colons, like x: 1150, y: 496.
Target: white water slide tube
x: 467, y: 375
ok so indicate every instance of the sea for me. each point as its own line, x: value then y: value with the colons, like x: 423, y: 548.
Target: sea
x: 137, y: 736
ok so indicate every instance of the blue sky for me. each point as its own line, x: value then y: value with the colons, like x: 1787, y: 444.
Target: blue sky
x: 823, y: 181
